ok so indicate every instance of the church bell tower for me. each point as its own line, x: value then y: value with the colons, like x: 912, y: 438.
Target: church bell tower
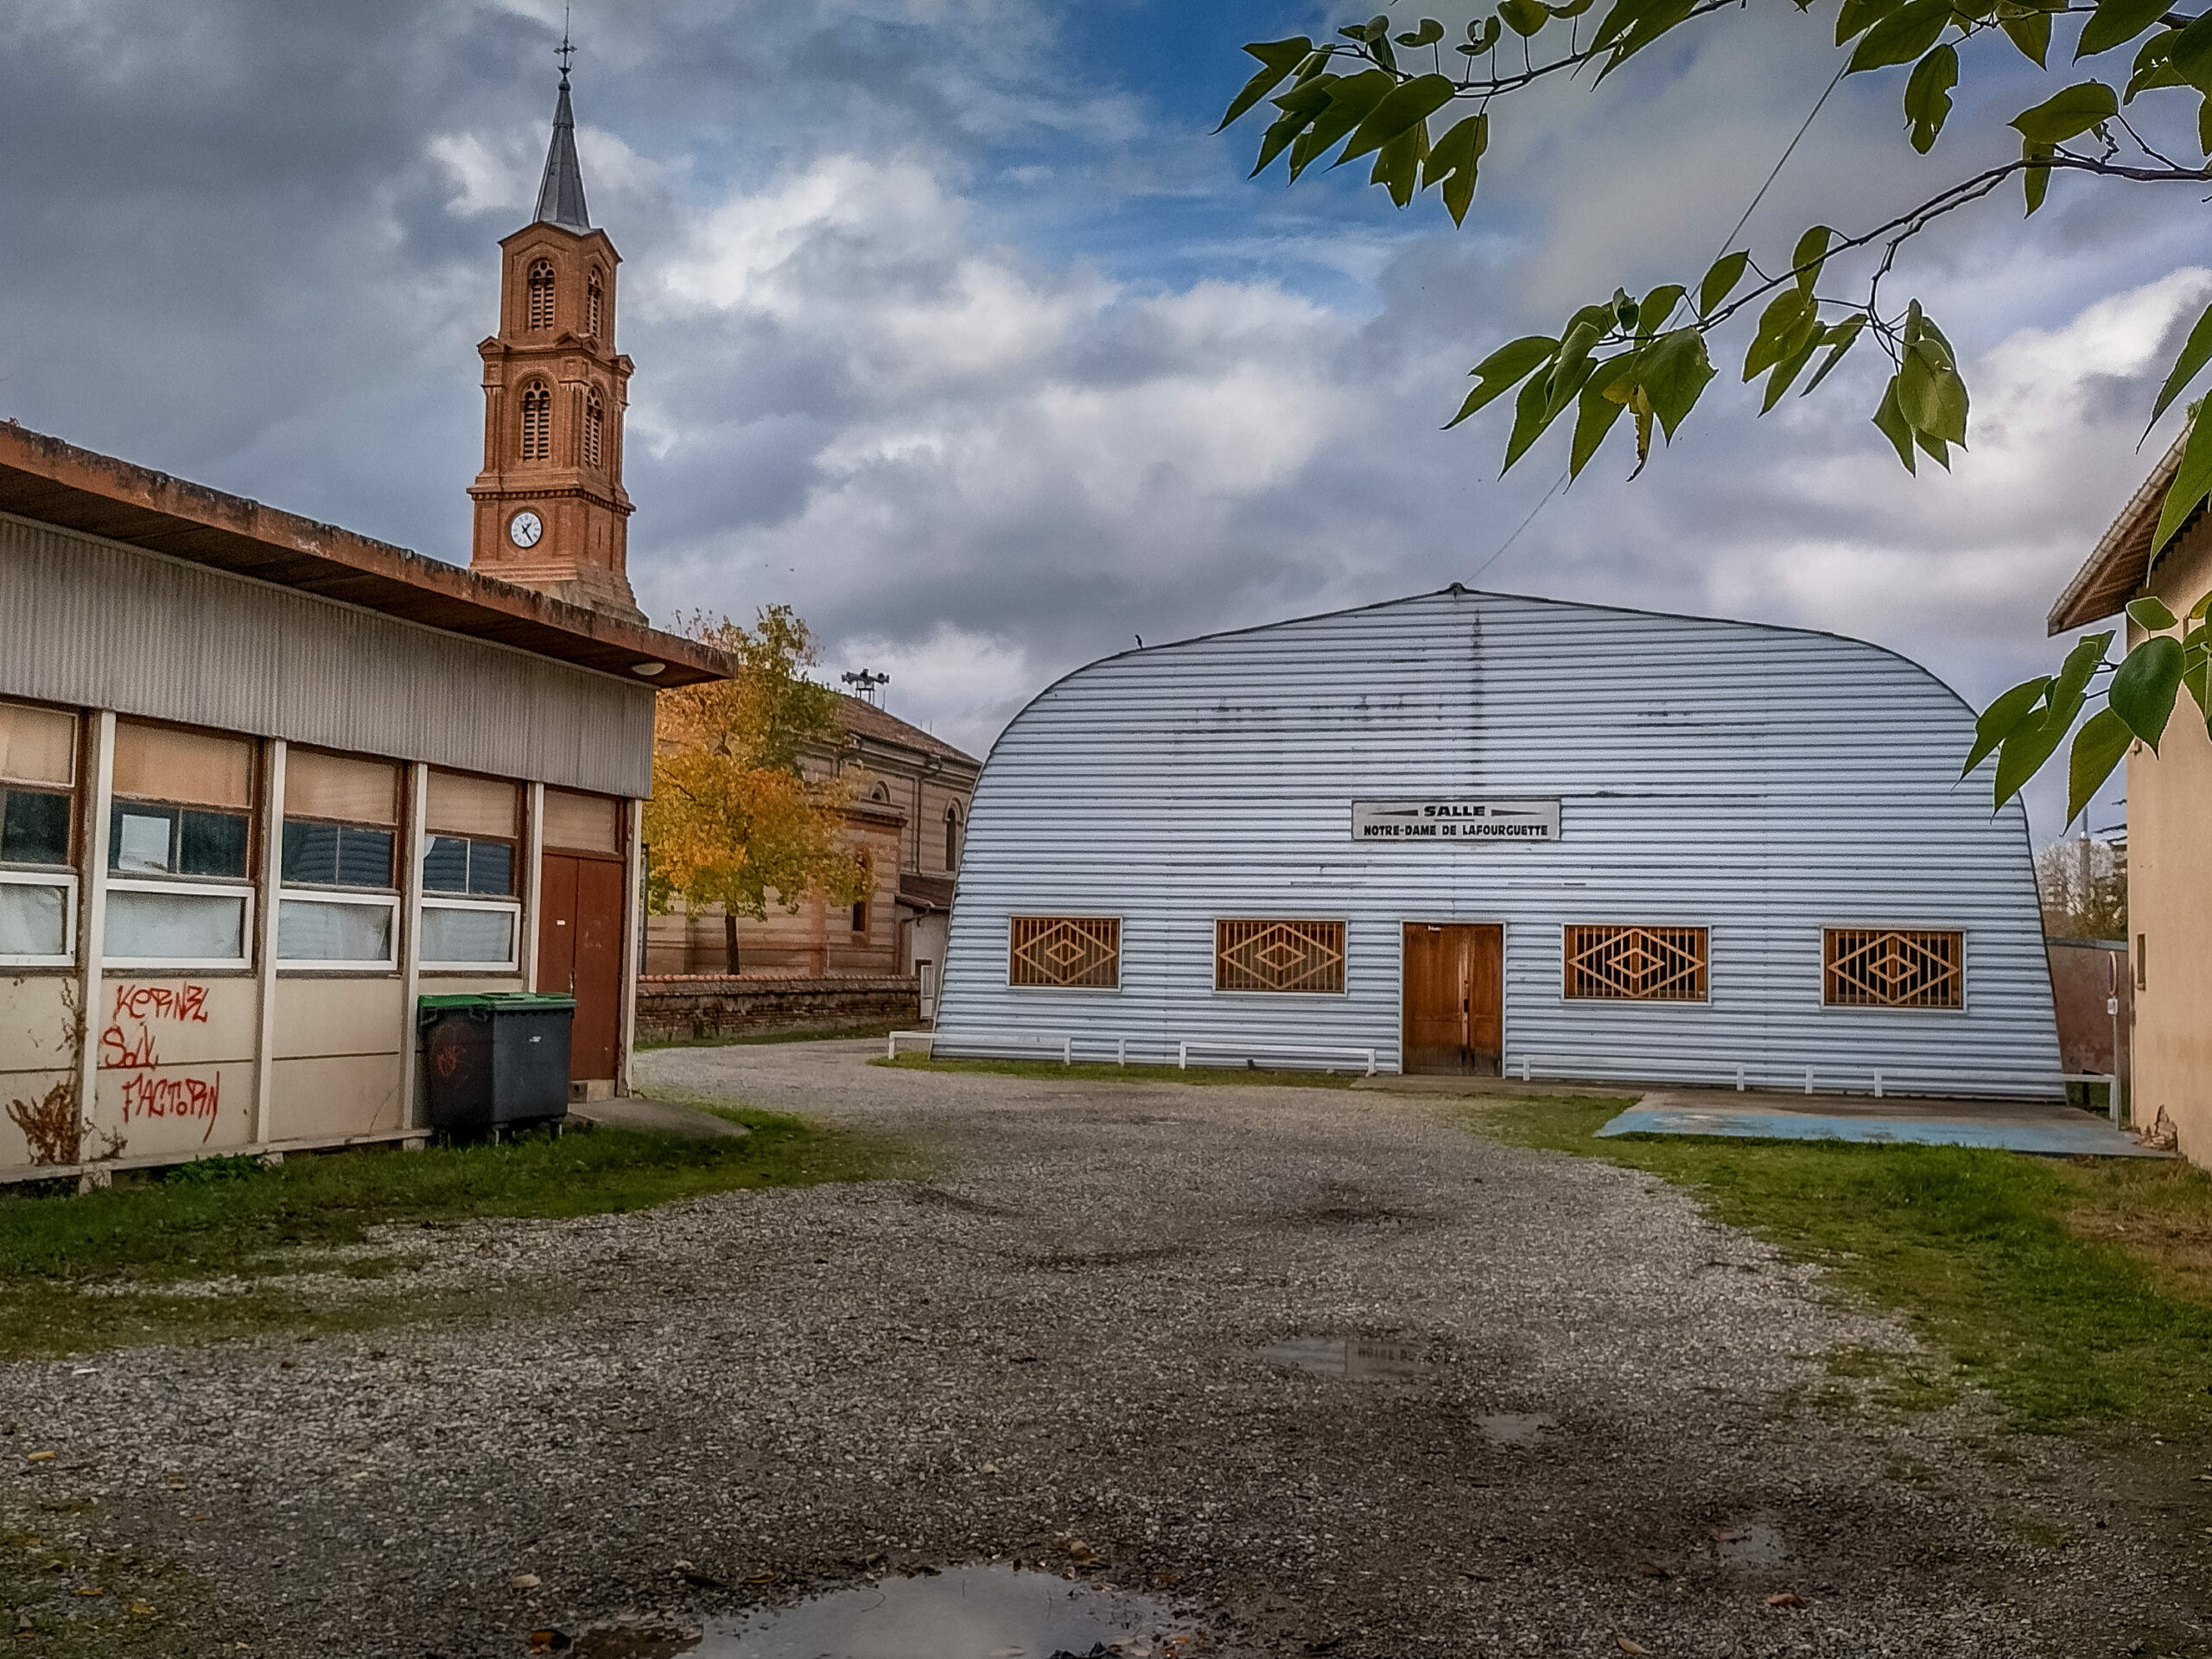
x: 550, y: 510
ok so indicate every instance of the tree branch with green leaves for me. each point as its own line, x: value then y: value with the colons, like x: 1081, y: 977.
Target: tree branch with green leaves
x: 1428, y: 126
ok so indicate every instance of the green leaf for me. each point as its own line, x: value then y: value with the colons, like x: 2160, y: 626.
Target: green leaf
x: 1572, y: 8
x: 1933, y: 447
x: 1498, y: 372
x: 1656, y: 308
x: 2068, y: 114
x: 2195, y: 352
x: 2081, y: 664
x: 1787, y: 371
x: 1930, y: 396
x: 2204, y: 124
x: 1524, y: 17
x: 2037, y: 180
x: 1406, y: 106
x: 1997, y: 721
x: 1597, y: 411
x: 1430, y: 32
x: 2116, y: 22
x: 1452, y: 161
x: 1782, y: 327
x: 2192, y: 480
x: 1652, y: 22
x: 1397, y: 164
x: 1838, y: 338
x: 2153, y: 65
x: 1572, y: 367
x: 1674, y: 371
x: 1903, y: 36
x: 1720, y: 280
x: 1300, y: 107
x: 1928, y: 95
x: 2190, y: 53
x: 2029, y: 31
x: 1482, y: 37
x: 1532, y: 413
x: 2151, y: 613
x: 2098, y: 748
x: 2143, y: 690
x: 1349, y: 101
x: 2032, y: 742
x: 1894, y: 428
x: 1857, y: 16
x: 1811, y: 254
x: 1277, y: 59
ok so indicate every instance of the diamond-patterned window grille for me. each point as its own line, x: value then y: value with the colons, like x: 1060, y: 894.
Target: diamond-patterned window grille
x: 1066, y: 952
x: 1278, y: 955
x: 1637, y: 964
x: 1893, y: 968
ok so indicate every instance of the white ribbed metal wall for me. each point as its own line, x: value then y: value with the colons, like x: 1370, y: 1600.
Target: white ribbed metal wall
x: 1763, y: 782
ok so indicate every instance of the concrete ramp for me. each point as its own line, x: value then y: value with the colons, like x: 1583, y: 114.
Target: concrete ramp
x: 2047, y: 1129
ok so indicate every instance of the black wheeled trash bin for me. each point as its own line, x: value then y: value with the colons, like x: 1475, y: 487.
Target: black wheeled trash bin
x: 493, y: 1060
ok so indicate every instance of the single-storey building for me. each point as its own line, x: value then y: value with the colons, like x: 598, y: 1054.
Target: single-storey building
x: 2169, y: 809
x: 263, y: 783
x: 1474, y: 832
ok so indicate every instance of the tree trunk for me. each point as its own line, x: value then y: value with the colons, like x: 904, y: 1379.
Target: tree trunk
x: 729, y: 940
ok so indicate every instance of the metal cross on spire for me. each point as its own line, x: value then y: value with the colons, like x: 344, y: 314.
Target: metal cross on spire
x: 567, y: 52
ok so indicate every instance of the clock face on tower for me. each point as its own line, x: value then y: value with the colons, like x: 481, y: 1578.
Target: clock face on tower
x: 524, y: 528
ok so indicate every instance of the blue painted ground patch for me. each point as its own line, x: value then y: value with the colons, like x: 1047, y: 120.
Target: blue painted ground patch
x: 2056, y: 1136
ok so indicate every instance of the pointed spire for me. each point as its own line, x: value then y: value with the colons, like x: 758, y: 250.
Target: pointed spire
x: 561, y: 197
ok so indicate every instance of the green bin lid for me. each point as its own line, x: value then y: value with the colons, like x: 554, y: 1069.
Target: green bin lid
x: 511, y: 1002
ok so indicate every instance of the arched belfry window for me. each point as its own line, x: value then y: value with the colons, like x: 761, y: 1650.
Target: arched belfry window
x: 951, y: 838
x: 595, y: 426
x: 595, y: 302
x: 538, y: 421
x: 541, y: 294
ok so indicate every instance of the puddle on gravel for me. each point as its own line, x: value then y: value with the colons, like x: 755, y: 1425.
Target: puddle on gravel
x: 1515, y: 1428
x: 967, y: 1612
x: 1749, y: 1544
x: 1357, y: 1357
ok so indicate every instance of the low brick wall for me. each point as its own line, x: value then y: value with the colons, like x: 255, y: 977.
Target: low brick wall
x: 676, y: 1005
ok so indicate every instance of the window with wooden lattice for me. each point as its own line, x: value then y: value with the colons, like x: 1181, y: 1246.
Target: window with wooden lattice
x: 1637, y: 964
x: 541, y: 294
x: 536, y: 422
x: 1893, y: 968
x: 1278, y: 955
x: 1066, y: 952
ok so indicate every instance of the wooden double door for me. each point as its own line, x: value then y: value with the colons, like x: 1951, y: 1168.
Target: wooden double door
x: 580, y: 952
x: 1454, y: 998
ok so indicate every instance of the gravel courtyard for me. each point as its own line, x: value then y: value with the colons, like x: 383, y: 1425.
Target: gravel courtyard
x: 1620, y: 1433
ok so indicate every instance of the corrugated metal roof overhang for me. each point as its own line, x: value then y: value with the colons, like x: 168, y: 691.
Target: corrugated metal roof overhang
x: 44, y: 479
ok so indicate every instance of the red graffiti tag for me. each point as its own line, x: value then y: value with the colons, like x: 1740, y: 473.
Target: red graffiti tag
x: 184, y: 1097
x: 126, y: 1051
x: 187, y: 1004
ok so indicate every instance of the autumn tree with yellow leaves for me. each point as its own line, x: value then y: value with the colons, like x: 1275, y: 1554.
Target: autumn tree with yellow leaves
x: 733, y: 820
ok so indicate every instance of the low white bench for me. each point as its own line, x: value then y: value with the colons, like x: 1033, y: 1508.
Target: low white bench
x: 1290, y: 1051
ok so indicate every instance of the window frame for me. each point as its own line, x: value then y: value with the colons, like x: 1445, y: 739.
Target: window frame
x: 1342, y: 924
x: 360, y: 898
x: 541, y: 268
x: 537, y: 396
x: 512, y: 907
x: 46, y: 876
x: 243, y: 963
x: 1829, y: 931
x: 1703, y: 1000
x: 1014, y: 984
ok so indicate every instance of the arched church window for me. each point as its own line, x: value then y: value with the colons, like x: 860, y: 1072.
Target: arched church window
x: 951, y: 838
x: 595, y: 426
x: 538, y: 421
x: 541, y: 294
x: 594, y: 297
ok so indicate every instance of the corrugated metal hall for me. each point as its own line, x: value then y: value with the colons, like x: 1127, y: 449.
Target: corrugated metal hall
x: 1471, y: 832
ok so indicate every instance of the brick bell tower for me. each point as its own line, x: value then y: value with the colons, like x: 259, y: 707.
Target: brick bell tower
x: 551, y: 512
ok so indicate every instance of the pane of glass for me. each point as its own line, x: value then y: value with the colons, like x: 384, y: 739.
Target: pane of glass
x: 308, y: 932
x: 35, y: 827
x: 32, y: 921
x: 364, y: 857
x: 175, y: 926
x: 472, y: 806
x: 37, y: 746
x: 139, y: 840
x: 310, y: 852
x: 469, y: 936
x: 587, y: 824
x: 158, y: 763
x: 340, y: 787
x: 491, y: 869
x: 445, y: 867
x: 212, y: 843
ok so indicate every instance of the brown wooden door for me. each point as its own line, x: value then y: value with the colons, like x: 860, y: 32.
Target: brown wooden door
x: 1453, y: 997
x: 580, y: 952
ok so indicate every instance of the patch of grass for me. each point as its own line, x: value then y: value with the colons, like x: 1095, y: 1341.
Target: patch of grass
x: 89, y: 1271
x: 2073, y: 1291
x: 1086, y: 1071
x: 80, y: 1601
x: 753, y: 1039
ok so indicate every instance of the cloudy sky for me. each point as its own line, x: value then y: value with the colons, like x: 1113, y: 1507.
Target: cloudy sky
x: 955, y: 328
